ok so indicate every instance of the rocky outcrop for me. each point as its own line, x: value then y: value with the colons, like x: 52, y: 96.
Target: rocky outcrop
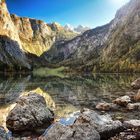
x: 29, y: 114
x: 37, y: 36
x: 11, y: 52
x: 77, y: 49
x: 23, y: 40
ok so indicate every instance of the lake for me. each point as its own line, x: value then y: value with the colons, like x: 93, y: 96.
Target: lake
x: 68, y: 94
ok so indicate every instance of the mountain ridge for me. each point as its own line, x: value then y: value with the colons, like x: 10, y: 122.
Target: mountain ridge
x: 114, y: 47
x: 104, y: 48
x: 22, y: 37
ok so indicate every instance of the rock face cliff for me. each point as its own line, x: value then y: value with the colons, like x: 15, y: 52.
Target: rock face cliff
x: 113, y: 47
x: 11, y: 52
x: 122, y: 49
x: 37, y: 36
x: 22, y: 37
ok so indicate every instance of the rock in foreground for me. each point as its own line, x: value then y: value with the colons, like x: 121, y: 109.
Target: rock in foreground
x: 102, y: 123
x: 29, y: 114
x: 74, y: 132
x: 88, y: 126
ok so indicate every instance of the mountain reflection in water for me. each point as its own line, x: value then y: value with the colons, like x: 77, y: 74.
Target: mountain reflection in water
x: 66, y: 95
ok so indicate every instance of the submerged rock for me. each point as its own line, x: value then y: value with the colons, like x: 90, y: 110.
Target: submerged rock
x: 122, y: 101
x: 29, y: 114
x: 136, y: 84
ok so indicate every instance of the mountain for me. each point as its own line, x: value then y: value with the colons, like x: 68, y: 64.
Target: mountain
x: 11, y: 52
x: 22, y: 39
x: 68, y: 27
x: 114, y: 47
x: 79, y: 29
x: 37, y: 36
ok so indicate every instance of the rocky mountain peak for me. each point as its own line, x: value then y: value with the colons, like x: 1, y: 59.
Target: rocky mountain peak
x: 6, y: 25
x: 79, y: 29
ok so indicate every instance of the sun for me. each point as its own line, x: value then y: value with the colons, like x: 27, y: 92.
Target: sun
x: 118, y: 2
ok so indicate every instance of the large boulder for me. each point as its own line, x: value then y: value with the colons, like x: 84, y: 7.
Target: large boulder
x: 29, y: 114
x: 74, y: 132
x: 89, y: 125
x: 102, y: 123
x: 136, y: 84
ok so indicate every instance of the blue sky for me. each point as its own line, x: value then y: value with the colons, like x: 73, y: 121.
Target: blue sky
x: 90, y: 13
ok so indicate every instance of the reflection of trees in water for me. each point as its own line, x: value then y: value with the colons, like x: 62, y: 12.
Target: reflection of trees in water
x: 11, y: 88
x: 84, y: 91
x: 76, y: 90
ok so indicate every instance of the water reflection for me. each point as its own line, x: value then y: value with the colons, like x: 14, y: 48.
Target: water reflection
x: 65, y: 95
x: 10, y: 89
